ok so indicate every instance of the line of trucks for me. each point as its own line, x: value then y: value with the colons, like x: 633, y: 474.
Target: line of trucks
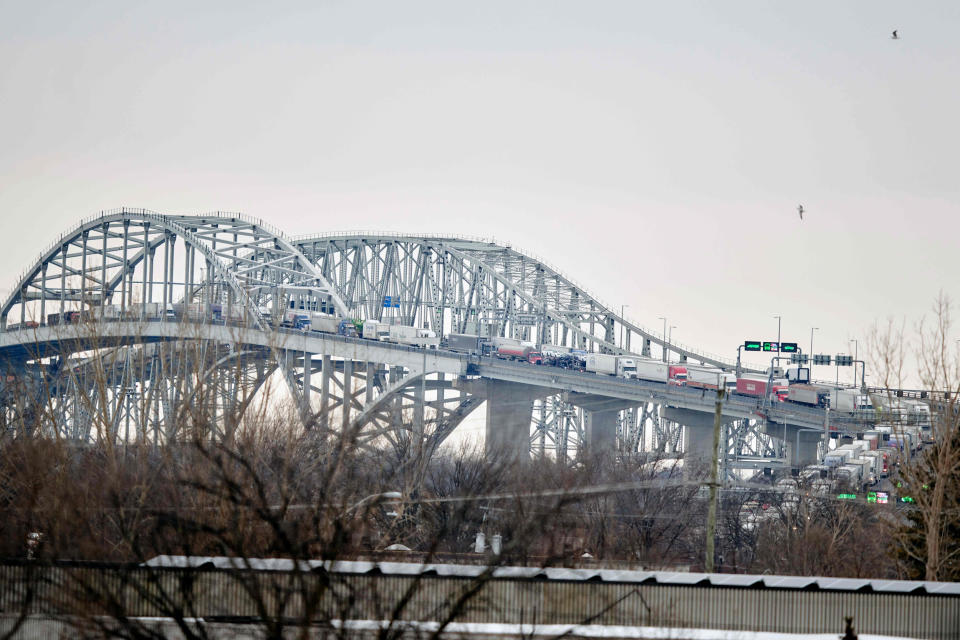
x: 790, y: 385
x: 864, y: 462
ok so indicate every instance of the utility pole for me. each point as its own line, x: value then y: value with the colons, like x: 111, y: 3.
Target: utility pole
x: 812, y: 329
x: 778, y: 333
x: 714, y: 481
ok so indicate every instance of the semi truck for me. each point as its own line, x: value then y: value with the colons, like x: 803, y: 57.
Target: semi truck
x: 758, y: 388
x: 809, y: 394
x: 652, y: 370
x: 65, y: 317
x: 412, y: 336
x: 295, y: 319
x: 837, y: 457
x: 849, y: 400
x: 319, y: 322
x: 465, y: 342
x: 375, y: 330
x: 856, y: 473
x: 677, y: 375
x: 706, y: 378
x: 512, y: 349
x: 879, y: 462
x: 521, y: 352
x: 563, y: 357
x: 611, y: 365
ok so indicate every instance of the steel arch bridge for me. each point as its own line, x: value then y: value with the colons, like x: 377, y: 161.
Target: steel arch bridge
x: 125, y: 269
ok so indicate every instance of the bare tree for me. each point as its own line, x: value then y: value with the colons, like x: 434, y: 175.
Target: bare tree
x: 927, y: 543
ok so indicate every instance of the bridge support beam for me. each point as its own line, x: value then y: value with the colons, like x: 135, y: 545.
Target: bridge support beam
x: 697, y: 437
x: 509, y: 415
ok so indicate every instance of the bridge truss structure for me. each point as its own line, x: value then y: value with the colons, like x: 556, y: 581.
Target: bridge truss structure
x: 147, y: 277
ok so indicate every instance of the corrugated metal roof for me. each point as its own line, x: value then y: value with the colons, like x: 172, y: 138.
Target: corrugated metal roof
x: 571, y: 575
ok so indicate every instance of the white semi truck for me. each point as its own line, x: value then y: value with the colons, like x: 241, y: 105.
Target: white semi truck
x: 849, y: 400
x: 652, y: 370
x: 611, y: 365
x: 706, y: 378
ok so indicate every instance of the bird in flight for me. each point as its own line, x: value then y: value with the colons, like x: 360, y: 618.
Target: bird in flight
x: 894, y: 35
x: 800, y: 211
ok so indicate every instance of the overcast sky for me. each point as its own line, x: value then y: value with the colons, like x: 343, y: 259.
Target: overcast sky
x: 655, y: 151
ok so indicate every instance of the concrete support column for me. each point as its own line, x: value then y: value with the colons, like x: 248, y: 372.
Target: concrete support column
x: 805, y: 445
x: 509, y: 414
x: 801, y: 444
x: 307, y: 366
x: 600, y: 431
x: 325, y: 370
x: 396, y: 373
x: 371, y: 377
x: 418, y: 407
x: 697, y: 437
x: 347, y: 395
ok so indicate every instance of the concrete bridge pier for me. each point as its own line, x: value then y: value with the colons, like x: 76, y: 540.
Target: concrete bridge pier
x: 509, y: 415
x: 801, y: 443
x: 600, y: 416
x: 600, y: 431
x: 697, y: 437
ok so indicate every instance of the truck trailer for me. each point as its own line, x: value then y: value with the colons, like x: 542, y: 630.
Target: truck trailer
x: 706, y: 378
x: 652, y: 370
x: 465, y: 342
x: 611, y: 365
x: 809, y: 394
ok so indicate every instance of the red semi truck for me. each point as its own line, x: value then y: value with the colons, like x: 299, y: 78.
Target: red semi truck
x: 758, y: 388
x: 677, y: 376
x: 510, y: 349
x: 528, y: 354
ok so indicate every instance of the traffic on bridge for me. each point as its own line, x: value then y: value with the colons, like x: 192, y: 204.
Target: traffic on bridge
x: 362, y: 326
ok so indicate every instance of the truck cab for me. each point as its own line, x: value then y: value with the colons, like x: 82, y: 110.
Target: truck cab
x: 677, y: 376
x: 627, y: 367
x: 347, y: 328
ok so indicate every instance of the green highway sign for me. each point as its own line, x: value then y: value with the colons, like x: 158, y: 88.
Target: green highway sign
x: 751, y: 345
x: 846, y: 496
x: 788, y: 347
x: 770, y: 346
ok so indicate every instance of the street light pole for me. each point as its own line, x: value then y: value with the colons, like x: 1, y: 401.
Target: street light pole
x: 670, y: 338
x: 855, y: 346
x: 622, y: 307
x: 778, y: 333
x: 812, y: 329
x: 664, y: 335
